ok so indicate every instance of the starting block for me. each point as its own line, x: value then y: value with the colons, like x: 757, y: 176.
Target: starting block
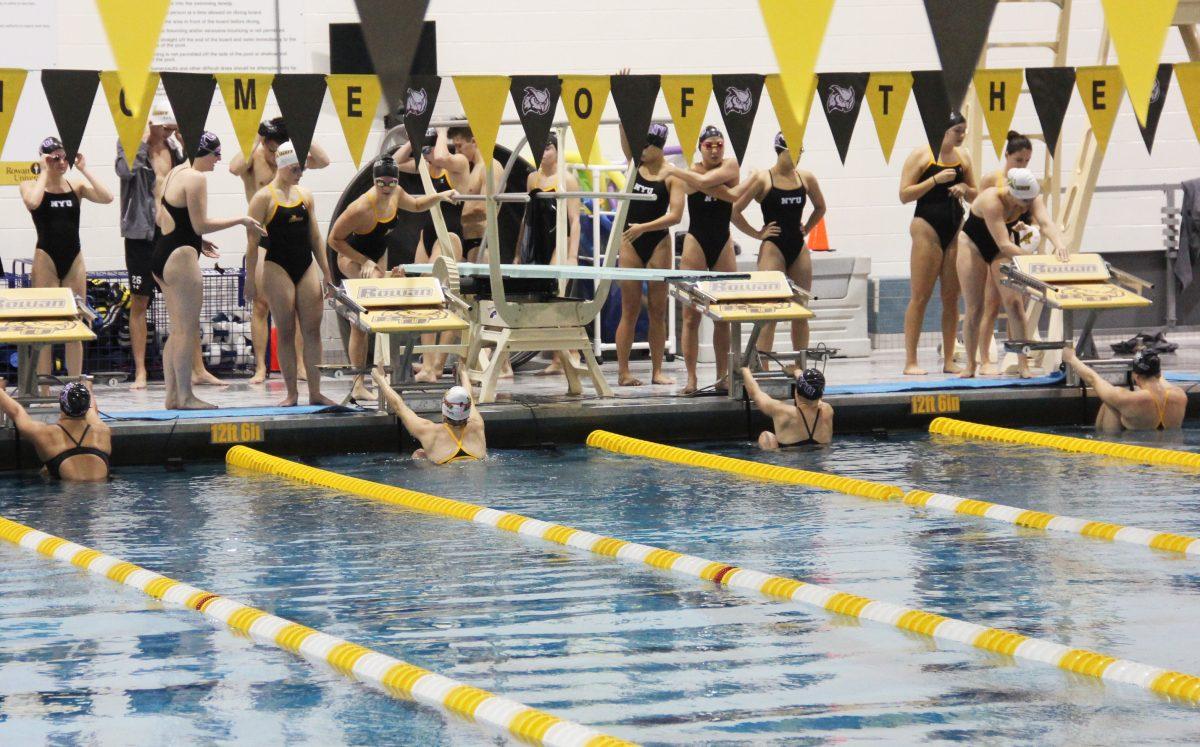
x: 400, y: 309
x: 33, y: 317
x: 760, y: 299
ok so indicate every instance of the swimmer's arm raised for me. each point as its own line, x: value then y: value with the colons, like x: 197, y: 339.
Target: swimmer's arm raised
x: 416, y: 425
x: 317, y: 157
x: 16, y: 413
x: 403, y: 156
x: 718, y: 177
x: 240, y: 163
x: 1110, y: 395
x: 765, y: 402
x: 32, y: 192
x: 92, y: 188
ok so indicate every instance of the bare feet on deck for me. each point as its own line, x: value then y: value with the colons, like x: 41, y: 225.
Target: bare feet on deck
x: 1025, y: 373
x: 662, y: 380
x: 195, y: 403
x: 321, y: 401
x: 628, y: 380
x: 914, y: 370
x: 952, y: 368
x: 288, y: 401
x: 968, y: 373
x: 360, y: 393
x: 427, y: 377
x: 989, y: 369
x: 260, y: 375
x: 139, y: 382
x: 691, y: 387
x: 205, y: 378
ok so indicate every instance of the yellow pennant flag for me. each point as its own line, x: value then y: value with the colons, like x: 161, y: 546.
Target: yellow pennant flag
x: 129, y: 113
x: 687, y: 99
x: 11, y: 83
x: 133, y: 27
x: 584, y: 97
x: 1139, y: 31
x: 483, y: 98
x: 1101, y: 89
x: 245, y: 97
x: 792, y: 128
x: 356, y: 100
x: 998, y: 92
x: 887, y: 95
x: 1186, y: 73
x: 796, y: 29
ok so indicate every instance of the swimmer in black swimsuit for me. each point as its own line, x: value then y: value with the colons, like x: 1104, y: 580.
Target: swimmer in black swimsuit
x: 290, y: 278
x: 429, y: 247
x: 783, y: 190
x: 938, y: 183
x: 53, y: 200
x: 807, y: 421
x: 77, y: 447
x: 647, y: 243
x: 359, y: 236
x: 183, y: 220
x: 986, y: 237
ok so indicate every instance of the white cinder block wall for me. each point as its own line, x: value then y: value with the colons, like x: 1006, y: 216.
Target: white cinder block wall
x: 667, y: 36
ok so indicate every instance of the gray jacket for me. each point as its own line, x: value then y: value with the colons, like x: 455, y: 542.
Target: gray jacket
x: 137, y: 190
x: 1189, y: 233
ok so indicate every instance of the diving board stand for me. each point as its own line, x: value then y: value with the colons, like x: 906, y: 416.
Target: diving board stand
x: 761, y: 298
x: 33, y: 317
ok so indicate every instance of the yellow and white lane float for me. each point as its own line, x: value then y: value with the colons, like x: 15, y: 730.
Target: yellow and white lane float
x: 1084, y: 283
x: 1132, y: 452
x: 396, y: 678
x: 760, y: 299
x: 1171, y: 683
x: 890, y: 493
x: 33, y: 317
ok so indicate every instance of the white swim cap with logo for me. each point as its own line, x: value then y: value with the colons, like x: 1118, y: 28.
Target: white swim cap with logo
x: 286, y: 156
x: 161, y: 116
x: 456, y: 405
x: 1023, y: 185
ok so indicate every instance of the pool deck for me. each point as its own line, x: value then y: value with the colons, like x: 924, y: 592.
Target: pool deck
x: 540, y: 414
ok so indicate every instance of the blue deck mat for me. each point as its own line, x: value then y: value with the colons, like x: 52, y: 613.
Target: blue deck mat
x: 228, y: 412
x: 950, y: 382
x: 1186, y: 378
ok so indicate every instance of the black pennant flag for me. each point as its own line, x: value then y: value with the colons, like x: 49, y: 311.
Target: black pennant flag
x: 420, y: 95
x: 634, y: 96
x: 960, y: 29
x: 1158, y: 97
x: 190, y: 95
x: 841, y: 96
x: 536, y: 99
x: 300, y: 96
x: 70, y: 94
x: 392, y: 30
x: 930, y: 92
x: 1051, y: 89
x: 738, y: 97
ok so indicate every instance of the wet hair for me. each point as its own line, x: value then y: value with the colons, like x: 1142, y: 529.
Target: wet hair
x: 51, y: 144
x: 385, y: 167
x: 463, y: 131
x: 956, y: 119
x: 810, y: 384
x: 75, y: 400
x: 274, y: 130
x: 1017, y: 143
x: 1147, y: 363
x: 710, y: 132
x: 657, y: 135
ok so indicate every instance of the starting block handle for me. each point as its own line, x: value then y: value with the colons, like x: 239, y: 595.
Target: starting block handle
x: 340, y: 295
x: 595, y: 196
x: 501, y: 197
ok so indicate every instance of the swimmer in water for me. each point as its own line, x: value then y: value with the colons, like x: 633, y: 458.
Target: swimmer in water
x: 806, y: 421
x: 1149, y: 404
x: 77, y: 447
x: 458, y: 438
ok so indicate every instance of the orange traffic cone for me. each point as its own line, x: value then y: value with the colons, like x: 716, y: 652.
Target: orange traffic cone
x: 817, y: 239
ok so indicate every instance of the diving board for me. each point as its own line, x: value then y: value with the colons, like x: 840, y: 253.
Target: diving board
x: 33, y: 317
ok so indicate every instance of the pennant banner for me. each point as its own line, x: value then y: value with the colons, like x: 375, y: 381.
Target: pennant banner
x: 1158, y: 97
x: 70, y: 94
x: 841, y: 97
x: 998, y: 92
x: 1188, y: 75
x: 1050, y: 88
x: 419, y: 99
x: 887, y: 96
x: 245, y: 97
x: 1139, y: 31
x: 793, y: 130
x: 392, y: 31
x: 929, y: 90
x: 482, y: 97
x: 536, y: 99
x: 738, y: 97
x: 584, y: 97
x: 960, y: 29
x: 300, y: 96
x: 687, y: 99
x: 796, y: 30
x: 12, y: 82
x: 190, y: 96
x: 356, y: 101
x: 129, y: 117
x: 634, y: 97
x: 133, y: 28
x: 1101, y: 90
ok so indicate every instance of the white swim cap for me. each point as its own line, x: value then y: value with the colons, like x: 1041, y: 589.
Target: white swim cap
x: 1023, y: 185
x: 286, y: 156
x: 456, y: 405
x: 161, y: 116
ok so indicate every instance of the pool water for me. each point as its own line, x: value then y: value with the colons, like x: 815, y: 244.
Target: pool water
x: 634, y: 652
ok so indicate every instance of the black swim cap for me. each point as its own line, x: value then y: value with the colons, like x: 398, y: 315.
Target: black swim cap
x: 956, y: 118
x: 274, y: 130
x: 1147, y: 363
x: 657, y: 136
x: 75, y: 400
x: 710, y: 132
x: 780, y: 143
x: 51, y: 144
x: 385, y: 168
x: 810, y: 384
x: 552, y: 139
x: 210, y: 144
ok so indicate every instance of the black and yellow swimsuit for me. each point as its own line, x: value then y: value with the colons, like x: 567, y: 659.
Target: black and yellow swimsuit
x: 461, y: 454
x: 373, y: 244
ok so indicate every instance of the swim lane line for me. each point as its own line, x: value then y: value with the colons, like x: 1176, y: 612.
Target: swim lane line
x: 396, y: 678
x: 1080, y: 661
x: 995, y: 511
